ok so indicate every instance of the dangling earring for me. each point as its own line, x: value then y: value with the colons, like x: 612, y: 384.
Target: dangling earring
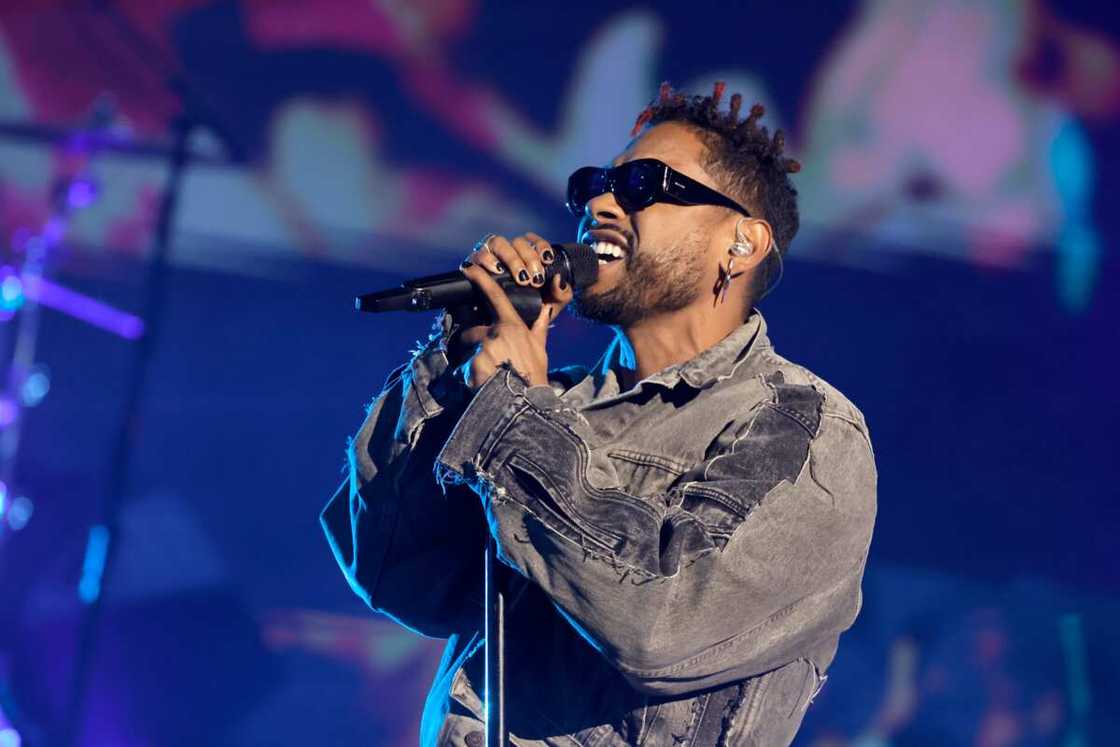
x: 741, y: 248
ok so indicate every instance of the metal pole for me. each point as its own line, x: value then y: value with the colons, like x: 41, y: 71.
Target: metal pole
x: 495, y: 696
x: 101, y: 547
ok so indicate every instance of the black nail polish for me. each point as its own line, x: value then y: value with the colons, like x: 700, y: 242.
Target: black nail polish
x: 563, y: 284
x: 547, y: 255
x: 466, y: 263
x: 499, y: 267
x: 523, y: 276
x: 538, y: 278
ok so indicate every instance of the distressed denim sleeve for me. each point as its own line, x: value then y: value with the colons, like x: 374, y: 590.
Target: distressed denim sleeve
x: 753, y: 559
x: 408, y: 549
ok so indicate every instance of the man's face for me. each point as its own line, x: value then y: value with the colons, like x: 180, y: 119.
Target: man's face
x: 665, y: 265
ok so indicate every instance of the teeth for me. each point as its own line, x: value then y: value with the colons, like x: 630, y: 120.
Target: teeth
x: 607, y: 248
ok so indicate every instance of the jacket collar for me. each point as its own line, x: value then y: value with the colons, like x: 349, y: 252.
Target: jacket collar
x: 714, y: 364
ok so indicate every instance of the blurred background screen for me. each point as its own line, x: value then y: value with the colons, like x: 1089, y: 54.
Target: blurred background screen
x: 955, y: 275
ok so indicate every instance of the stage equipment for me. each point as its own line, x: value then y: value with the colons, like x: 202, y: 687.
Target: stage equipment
x: 24, y: 290
x: 197, y: 110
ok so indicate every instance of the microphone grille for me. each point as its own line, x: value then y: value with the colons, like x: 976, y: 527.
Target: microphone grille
x: 583, y: 263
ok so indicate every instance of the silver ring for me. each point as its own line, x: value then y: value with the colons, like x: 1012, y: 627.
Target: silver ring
x: 484, y: 243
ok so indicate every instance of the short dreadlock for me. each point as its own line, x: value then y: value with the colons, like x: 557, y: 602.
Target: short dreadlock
x: 743, y: 155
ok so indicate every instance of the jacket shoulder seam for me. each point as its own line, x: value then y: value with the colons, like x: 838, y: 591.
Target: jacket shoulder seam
x: 834, y: 402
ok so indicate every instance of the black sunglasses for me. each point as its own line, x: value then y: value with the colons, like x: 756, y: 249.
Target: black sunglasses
x: 638, y: 184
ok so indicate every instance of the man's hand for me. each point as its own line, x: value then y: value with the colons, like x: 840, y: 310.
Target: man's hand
x: 509, y: 339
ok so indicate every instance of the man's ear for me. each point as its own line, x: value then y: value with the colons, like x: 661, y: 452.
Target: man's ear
x: 760, y: 234
x: 754, y: 230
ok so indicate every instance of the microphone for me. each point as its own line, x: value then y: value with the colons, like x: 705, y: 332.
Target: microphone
x: 575, y: 263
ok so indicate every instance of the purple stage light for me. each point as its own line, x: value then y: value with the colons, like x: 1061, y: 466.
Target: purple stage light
x: 9, y: 411
x: 83, y: 307
x: 82, y: 192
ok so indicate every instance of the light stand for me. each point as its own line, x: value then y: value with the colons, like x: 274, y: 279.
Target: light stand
x: 197, y: 111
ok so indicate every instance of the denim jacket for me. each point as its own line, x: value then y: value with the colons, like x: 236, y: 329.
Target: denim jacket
x: 679, y: 558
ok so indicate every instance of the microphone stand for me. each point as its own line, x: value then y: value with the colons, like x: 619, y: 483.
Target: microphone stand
x: 494, y: 596
x: 494, y: 627
x: 425, y: 293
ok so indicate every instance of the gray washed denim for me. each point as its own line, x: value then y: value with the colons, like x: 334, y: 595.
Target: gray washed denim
x: 682, y: 557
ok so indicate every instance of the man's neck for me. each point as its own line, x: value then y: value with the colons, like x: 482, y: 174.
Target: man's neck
x: 666, y: 340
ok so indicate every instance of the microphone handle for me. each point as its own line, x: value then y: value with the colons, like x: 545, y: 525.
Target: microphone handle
x: 452, y: 290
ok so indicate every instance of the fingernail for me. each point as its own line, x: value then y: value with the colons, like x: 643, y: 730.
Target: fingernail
x: 547, y: 255
x: 466, y: 263
x: 522, y: 276
x: 538, y: 278
x: 563, y: 284
x: 499, y: 267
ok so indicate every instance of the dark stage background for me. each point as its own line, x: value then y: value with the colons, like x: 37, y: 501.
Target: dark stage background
x: 956, y: 276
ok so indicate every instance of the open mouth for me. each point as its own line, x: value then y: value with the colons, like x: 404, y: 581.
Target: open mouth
x: 607, y: 252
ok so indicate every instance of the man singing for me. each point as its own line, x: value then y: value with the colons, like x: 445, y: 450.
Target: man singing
x: 683, y: 527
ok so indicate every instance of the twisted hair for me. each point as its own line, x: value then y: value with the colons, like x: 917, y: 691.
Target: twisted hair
x: 741, y: 154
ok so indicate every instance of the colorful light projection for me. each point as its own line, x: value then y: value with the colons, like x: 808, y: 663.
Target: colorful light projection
x: 928, y: 129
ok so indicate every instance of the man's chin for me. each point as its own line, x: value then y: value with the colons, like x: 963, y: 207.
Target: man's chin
x: 604, y: 307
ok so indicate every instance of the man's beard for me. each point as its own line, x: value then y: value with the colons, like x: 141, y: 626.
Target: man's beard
x: 655, y: 282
